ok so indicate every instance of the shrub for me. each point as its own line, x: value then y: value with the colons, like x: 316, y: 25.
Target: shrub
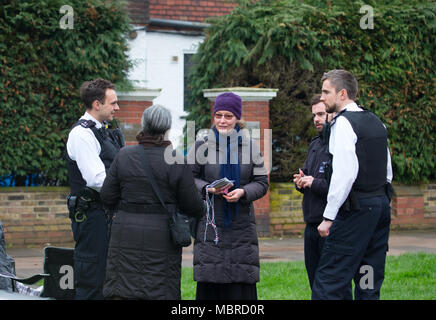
x: 41, y: 69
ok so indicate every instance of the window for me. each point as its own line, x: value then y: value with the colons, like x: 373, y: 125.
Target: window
x: 187, y: 67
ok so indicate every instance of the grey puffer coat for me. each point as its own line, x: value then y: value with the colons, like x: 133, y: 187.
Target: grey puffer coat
x: 142, y: 261
x: 235, y: 258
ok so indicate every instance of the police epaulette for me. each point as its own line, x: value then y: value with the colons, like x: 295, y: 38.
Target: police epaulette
x: 314, y: 138
x: 87, y: 123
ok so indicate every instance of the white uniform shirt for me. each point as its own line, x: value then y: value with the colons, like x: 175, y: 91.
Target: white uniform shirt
x: 84, y: 148
x: 342, y: 145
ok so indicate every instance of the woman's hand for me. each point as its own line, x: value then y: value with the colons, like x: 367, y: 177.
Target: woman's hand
x: 219, y: 191
x: 234, y: 195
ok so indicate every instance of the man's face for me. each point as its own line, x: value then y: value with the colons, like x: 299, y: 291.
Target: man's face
x: 330, y: 97
x: 319, y: 113
x: 107, y: 109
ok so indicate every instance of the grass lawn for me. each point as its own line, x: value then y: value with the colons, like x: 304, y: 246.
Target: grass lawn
x: 410, y: 276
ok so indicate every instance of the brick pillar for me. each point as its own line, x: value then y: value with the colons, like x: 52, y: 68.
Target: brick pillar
x: 407, y: 207
x: 132, y: 105
x: 255, y: 111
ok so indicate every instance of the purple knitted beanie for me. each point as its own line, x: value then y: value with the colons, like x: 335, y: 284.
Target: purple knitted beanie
x: 229, y: 101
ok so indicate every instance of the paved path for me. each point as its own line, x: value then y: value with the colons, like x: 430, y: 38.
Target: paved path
x: 28, y: 261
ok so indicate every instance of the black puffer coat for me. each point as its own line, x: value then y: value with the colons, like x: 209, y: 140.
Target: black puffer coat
x: 235, y: 259
x: 142, y: 261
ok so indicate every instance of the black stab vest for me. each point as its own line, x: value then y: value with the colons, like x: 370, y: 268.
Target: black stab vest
x: 371, y: 150
x: 111, y: 141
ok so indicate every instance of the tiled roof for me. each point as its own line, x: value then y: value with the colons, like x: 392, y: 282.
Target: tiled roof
x: 141, y: 11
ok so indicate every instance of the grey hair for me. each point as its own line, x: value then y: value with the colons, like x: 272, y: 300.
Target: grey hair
x: 342, y: 79
x: 156, y: 120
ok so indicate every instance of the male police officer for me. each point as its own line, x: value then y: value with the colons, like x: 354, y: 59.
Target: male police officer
x: 357, y: 215
x: 312, y: 182
x: 91, y: 148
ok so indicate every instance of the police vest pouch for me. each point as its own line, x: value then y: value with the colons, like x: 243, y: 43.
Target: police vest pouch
x: 86, y: 200
x: 389, y: 189
x: 352, y: 202
x: 178, y: 223
x: 71, y: 204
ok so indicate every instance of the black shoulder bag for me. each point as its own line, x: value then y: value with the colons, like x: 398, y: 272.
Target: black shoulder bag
x: 179, y: 224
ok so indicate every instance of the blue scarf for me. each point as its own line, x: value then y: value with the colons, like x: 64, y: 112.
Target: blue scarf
x: 231, y: 172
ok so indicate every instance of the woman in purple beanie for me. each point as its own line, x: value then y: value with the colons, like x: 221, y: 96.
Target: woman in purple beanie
x: 226, y: 251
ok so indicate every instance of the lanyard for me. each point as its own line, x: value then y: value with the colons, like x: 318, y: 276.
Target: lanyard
x: 210, y: 215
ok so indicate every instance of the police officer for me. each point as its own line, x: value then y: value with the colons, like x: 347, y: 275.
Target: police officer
x: 91, y: 148
x: 312, y: 182
x: 357, y: 215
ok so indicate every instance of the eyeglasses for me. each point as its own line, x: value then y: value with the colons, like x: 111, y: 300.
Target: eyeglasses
x: 226, y: 116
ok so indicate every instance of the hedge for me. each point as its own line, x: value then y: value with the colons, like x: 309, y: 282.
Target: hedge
x: 289, y: 45
x: 41, y: 69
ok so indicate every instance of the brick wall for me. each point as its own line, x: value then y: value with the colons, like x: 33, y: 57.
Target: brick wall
x: 35, y: 216
x: 132, y: 105
x: 138, y: 11
x: 129, y: 118
x: 429, y: 194
x: 412, y: 207
x: 258, y: 111
x: 189, y: 10
x: 286, y: 217
x: 262, y: 211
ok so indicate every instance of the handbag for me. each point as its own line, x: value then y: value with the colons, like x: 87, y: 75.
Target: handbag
x: 179, y: 224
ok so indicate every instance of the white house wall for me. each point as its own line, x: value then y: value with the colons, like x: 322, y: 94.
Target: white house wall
x: 158, y: 59
x: 137, y: 54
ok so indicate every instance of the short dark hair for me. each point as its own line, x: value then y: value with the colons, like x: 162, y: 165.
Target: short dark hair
x: 95, y: 90
x: 315, y: 100
x: 342, y: 79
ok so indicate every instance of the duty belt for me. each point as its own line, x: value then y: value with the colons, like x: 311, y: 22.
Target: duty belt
x: 368, y: 194
x: 77, y: 209
x: 352, y: 201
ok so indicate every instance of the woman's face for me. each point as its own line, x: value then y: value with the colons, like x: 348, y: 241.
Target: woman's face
x: 224, y: 121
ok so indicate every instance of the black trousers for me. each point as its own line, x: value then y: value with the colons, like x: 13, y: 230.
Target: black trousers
x: 355, y: 249
x: 90, y: 253
x: 313, y: 244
